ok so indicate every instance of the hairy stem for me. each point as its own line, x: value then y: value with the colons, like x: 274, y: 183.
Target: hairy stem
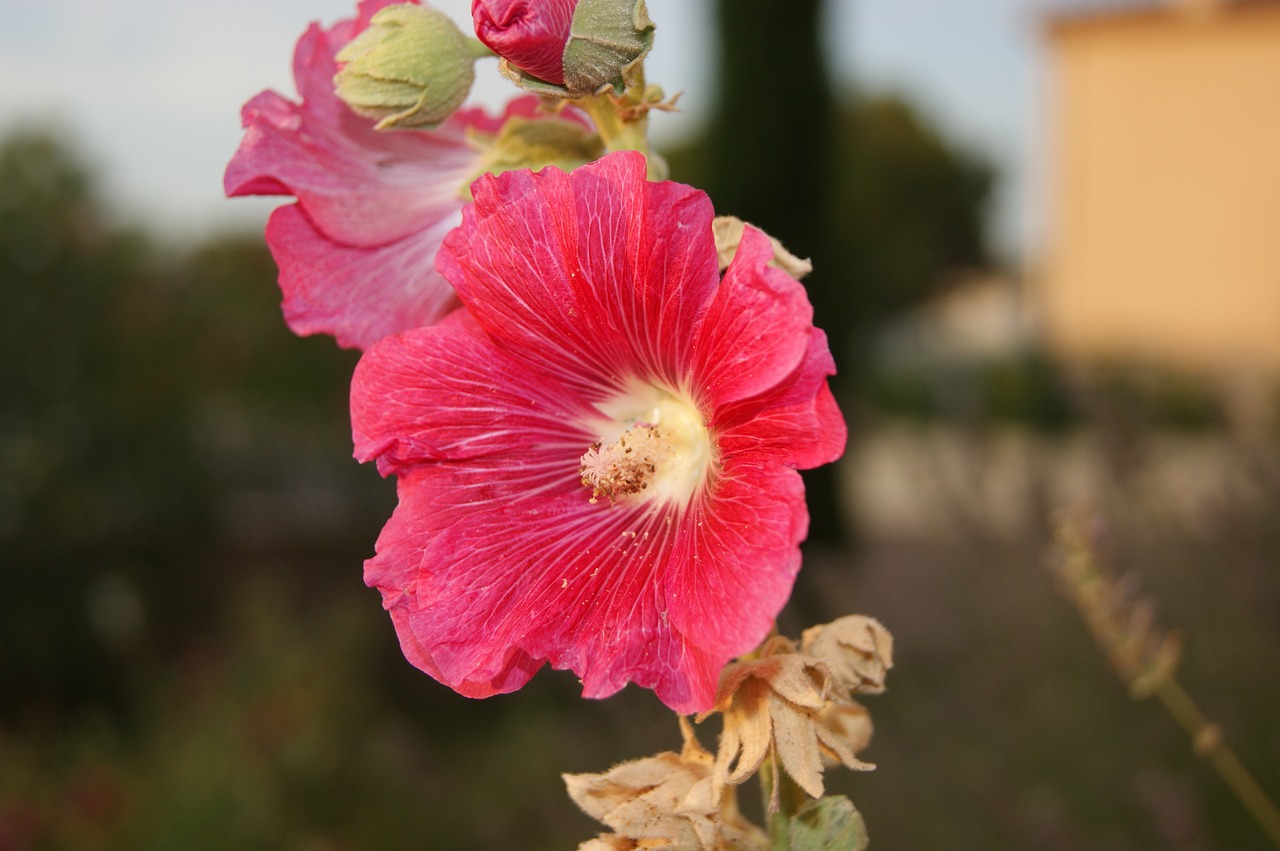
x: 782, y: 799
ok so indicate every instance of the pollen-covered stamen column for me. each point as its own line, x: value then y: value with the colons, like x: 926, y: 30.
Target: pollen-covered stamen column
x: 663, y: 450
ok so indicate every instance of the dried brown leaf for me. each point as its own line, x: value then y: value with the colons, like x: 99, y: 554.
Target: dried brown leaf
x: 748, y: 731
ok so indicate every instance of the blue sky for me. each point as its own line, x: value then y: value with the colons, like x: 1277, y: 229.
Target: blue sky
x: 151, y: 90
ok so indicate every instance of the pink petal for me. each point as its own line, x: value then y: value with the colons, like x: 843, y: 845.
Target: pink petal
x: 756, y: 331
x: 796, y: 422
x: 530, y: 35
x: 802, y: 436
x: 497, y: 561
x: 738, y: 557
x: 406, y: 538
x: 359, y: 295
x: 596, y: 277
x: 543, y: 576
x: 447, y: 393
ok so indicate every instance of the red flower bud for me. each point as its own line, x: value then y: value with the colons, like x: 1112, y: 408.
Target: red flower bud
x: 530, y: 34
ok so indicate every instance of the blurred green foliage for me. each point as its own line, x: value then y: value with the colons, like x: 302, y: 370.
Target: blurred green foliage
x: 907, y: 208
x: 141, y: 394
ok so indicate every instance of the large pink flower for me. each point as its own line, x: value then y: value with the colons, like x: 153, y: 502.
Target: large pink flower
x: 597, y: 460
x: 356, y: 252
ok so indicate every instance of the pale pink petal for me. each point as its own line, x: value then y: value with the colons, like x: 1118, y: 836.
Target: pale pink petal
x: 357, y: 261
x: 359, y: 295
x: 359, y: 186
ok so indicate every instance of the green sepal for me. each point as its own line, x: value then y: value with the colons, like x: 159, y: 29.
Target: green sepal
x: 608, y: 41
x: 530, y: 83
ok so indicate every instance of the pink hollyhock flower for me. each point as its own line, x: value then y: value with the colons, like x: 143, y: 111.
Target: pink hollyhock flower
x: 356, y: 252
x: 597, y: 460
x: 530, y: 34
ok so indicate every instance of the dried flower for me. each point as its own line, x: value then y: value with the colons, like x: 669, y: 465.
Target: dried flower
x: 597, y: 461
x: 856, y: 650
x: 777, y: 707
x: 664, y: 801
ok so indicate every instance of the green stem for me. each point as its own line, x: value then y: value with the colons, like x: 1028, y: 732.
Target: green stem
x: 1198, y: 727
x: 618, y: 133
x: 790, y: 798
x: 775, y: 821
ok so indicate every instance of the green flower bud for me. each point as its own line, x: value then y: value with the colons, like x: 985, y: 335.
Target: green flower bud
x: 412, y: 67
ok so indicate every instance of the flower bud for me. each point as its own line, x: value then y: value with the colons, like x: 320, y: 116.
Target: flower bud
x: 412, y: 67
x: 530, y: 34
x: 601, y: 47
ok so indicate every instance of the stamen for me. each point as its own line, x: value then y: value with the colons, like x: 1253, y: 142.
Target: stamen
x: 625, y: 466
x: 654, y: 442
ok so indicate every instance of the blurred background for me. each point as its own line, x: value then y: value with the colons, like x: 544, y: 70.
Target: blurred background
x: 1045, y: 247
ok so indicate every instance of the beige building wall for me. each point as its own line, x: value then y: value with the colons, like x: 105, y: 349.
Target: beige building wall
x: 1164, y: 228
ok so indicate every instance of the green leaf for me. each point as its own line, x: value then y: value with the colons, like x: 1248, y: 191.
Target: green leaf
x: 827, y: 824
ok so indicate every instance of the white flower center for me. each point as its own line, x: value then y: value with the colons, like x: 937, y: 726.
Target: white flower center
x: 653, y: 442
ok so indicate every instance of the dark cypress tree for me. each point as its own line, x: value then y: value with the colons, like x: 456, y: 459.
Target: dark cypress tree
x: 767, y: 159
